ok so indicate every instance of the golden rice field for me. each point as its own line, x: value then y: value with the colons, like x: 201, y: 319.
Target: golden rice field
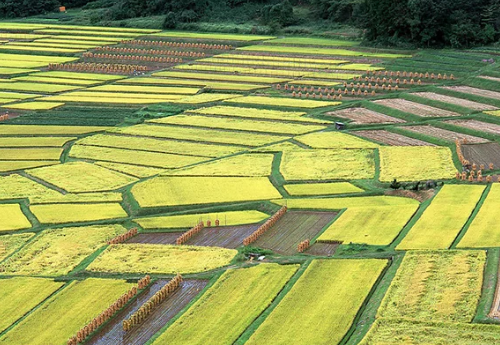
x: 56, y: 252
x: 335, y: 140
x: 15, y: 186
x: 415, y: 163
x: 34, y: 105
x: 34, y: 141
x: 281, y: 102
x: 42, y: 153
x: 443, y: 219
x: 76, y: 198
x: 64, y: 313
x: 9, y: 166
x: 327, y: 164
x: 229, y: 306
x: 281, y: 58
x: 328, y: 188
x: 321, y: 306
x: 76, y: 213
x: 222, y: 77
x: 346, y: 202
x: 194, y: 190
x: 48, y: 130
x: 78, y: 177
x: 11, y: 243
x: 20, y: 295
x: 35, y: 78
x: 229, y: 218
x: 160, y: 258
x: 13, y: 218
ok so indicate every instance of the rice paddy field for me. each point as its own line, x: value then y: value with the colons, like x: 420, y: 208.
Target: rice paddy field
x: 308, y: 189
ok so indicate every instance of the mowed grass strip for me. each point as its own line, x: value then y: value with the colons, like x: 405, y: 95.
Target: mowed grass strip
x: 483, y: 231
x: 327, y: 164
x: 328, y: 188
x: 12, y: 218
x: 281, y: 102
x: 443, y: 219
x: 80, y: 177
x: 77, y: 213
x: 19, y: 295
x: 229, y: 307
x: 56, y: 252
x: 200, y: 135
x: 176, y: 191
x: 321, y: 306
x: 436, y: 286
x: 415, y: 163
x: 143, y: 158
x: 229, y: 218
x: 375, y: 225
x: 239, y: 124
x: 161, y: 259
x: 66, y: 312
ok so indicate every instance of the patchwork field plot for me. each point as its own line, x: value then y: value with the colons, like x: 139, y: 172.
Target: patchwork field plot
x: 474, y: 91
x: 390, y: 138
x: 176, y: 301
x: 376, y: 225
x: 322, y: 305
x: 160, y: 258
x: 57, y: 251
x: 34, y: 105
x: 454, y: 100
x: 13, y: 218
x: 335, y: 140
x: 327, y: 164
x: 364, y: 116
x: 293, y: 228
x: 222, y: 77
x: 482, y: 154
x: 35, y: 154
x: 6, y: 166
x: 281, y: 102
x: 347, y: 202
x: 174, y: 191
x: 415, y: 108
x: 441, y: 222
x: 227, y: 237
x: 482, y: 232
x: 316, y: 51
x: 79, y: 177
x: 20, y: 295
x: 444, y: 134
x: 129, y: 169
x: 415, y: 163
x: 11, y: 243
x: 75, y: 213
x: 329, y: 188
x: 47, y: 130
x: 230, y: 218
x: 66, y: 312
x: 477, y: 126
x: 230, y: 306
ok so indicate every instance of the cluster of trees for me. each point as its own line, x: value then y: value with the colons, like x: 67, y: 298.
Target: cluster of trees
x: 25, y: 8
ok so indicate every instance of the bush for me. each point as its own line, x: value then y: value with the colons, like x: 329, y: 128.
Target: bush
x: 170, y: 21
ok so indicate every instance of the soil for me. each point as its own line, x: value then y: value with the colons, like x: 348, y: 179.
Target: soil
x: 362, y: 116
x: 454, y: 100
x: 415, y: 108
x: 389, y: 138
x: 444, y: 134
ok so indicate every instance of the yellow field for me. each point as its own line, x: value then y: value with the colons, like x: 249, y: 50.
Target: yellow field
x: 239, y: 124
x: 10, y: 71
x: 77, y: 177
x: 335, y: 140
x: 47, y: 130
x: 17, y: 95
x: 244, y: 70
x: 56, y: 252
x: 44, y: 153
x: 78, y: 75
x: 34, y: 105
x: 34, y: 141
x: 200, y: 135
x: 36, y: 87
x: 74, y: 213
x: 250, y: 164
x: 133, y: 170
x: 35, y: 78
x: 415, y: 163
x: 229, y: 218
x: 39, y: 58
x: 28, y: 48
x: 66, y: 312
x: 229, y: 307
x: 281, y: 58
x: 223, y: 77
x: 13, y: 218
x: 443, y: 219
x: 175, y: 191
x: 148, y: 159
x: 161, y: 259
x: 71, y: 198
x: 157, y: 145
x: 281, y: 102
x: 321, y: 306
x: 204, y: 98
x: 146, y: 89
x: 317, y: 51
x: 19, y: 187
x: 266, y: 63
x: 19, y: 295
x: 327, y: 164
x: 374, y: 225
x: 482, y: 231
x: 11, y: 243
x: 329, y: 188
x: 6, y: 166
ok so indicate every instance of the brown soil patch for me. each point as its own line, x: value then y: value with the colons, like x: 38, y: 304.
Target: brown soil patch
x: 362, y: 116
x: 483, y: 154
x: 477, y: 125
x: 474, y: 91
x: 454, y: 100
x: 415, y: 108
x: 228, y: 236
x: 322, y: 249
x: 389, y: 138
x: 444, y: 134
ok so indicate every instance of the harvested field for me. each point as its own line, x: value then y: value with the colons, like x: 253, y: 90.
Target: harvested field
x: 228, y: 236
x: 155, y: 238
x: 415, y: 108
x: 293, y: 228
x: 390, y: 138
x: 113, y: 332
x: 483, y: 154
x: 474, y: 91
x: 362, y: 116
x: 444, y: 134
x: 454, y: 100
x: 323, y: 249
x: 477, y: 125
